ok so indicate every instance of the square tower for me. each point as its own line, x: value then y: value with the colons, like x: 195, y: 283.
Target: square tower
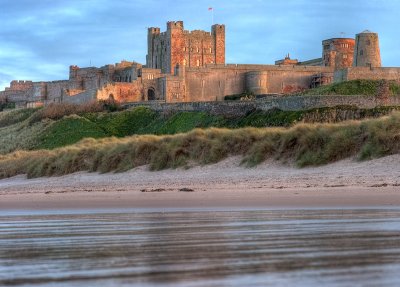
x: 177, y: 46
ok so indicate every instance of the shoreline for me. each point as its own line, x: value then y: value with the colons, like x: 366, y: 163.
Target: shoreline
x: 226, y: 185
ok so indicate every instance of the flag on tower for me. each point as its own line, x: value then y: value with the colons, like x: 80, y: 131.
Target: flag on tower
x: 210, y: 9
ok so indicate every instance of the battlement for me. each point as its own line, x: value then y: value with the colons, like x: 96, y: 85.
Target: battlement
x: 218, y: 27
x: 197, y: 33
x: 154, y: 30
x: 19, y: 85
x: 337, y: 40
x: 123, y: 64
x: 175, y: 25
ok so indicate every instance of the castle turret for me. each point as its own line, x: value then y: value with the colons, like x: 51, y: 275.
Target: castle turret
x: 338, y: 52
x: 218, y: 33
x: 367, y: 52
x: 151, y: 60
x: 175, y: 46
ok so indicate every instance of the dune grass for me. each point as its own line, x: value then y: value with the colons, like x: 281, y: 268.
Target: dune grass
x: 302, y: 145
x: 61, y: 125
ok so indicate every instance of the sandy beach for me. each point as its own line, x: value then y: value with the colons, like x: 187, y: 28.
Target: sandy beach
x: 347, y: 183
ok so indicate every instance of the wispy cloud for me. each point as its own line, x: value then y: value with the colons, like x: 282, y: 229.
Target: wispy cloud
x: 40, y: 39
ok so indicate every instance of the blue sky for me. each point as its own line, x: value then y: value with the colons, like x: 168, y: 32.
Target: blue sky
x: 39, y: 39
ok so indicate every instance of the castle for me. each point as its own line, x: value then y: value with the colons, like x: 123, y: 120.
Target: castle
x: 189, y: 66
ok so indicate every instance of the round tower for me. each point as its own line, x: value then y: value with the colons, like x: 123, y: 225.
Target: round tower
x: 367, y: 52
x: 257, y: 82
x: 338, y: 52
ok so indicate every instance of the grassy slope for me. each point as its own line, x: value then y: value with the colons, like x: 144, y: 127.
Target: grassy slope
x: 19, y: 132
x: 303, y: 144
x: 355, y: 87
x: 67, y: 131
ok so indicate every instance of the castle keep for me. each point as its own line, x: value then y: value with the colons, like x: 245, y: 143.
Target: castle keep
x: 189, y: 66
x: 177, y: 46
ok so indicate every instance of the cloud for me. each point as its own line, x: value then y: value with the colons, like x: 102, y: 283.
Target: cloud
x: 40, y: 39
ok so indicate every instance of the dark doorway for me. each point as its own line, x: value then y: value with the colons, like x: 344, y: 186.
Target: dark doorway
x: 151, y: 95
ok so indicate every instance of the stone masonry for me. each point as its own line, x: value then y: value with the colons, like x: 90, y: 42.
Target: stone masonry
x: 177, y: 46
x: 189, y: 66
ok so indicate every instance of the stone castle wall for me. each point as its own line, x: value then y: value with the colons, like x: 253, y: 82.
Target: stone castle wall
x: 292, y: 103
x: 20, y: 86
x: 214, y: 82
x: 121, y: 92
x: 81, y: 98
x: 367, y: 73
x: 189, y: 66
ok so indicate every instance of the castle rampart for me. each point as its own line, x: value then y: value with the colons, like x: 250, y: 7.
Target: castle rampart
x: 290, y: 103
x: 189, y: 66
x: 367, y: 73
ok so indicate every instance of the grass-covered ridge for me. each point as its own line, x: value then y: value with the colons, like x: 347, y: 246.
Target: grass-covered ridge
x: 302, y: 144
x: 58, y: 126
x: 357, y: 87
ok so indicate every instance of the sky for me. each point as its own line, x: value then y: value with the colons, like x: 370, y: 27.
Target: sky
x: 40, y: 39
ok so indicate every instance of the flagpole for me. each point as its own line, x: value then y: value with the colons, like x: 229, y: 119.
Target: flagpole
x: 212, y: 15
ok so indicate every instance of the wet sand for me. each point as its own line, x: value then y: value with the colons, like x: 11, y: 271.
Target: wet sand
x: 347, y: 183
x: 302, y: 248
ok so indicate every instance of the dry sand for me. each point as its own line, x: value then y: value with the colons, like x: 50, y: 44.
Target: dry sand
x: 347, y: 183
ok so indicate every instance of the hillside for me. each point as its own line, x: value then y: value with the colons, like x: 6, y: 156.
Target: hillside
x: 62, y: 125
x: 302, y: 144
x: 357, y: 87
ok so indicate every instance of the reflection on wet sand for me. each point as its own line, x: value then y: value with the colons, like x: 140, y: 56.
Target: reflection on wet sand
x: 302, y: 248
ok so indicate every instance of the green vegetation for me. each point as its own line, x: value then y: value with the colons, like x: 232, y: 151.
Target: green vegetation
x: 6, y: 106
x: 302, y: 144
x: 58, y: 126
x: 9, y: 118
x: 356, y: 87
x: 67, y: 131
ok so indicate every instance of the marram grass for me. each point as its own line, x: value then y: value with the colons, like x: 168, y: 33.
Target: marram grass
x: 302, y: 144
